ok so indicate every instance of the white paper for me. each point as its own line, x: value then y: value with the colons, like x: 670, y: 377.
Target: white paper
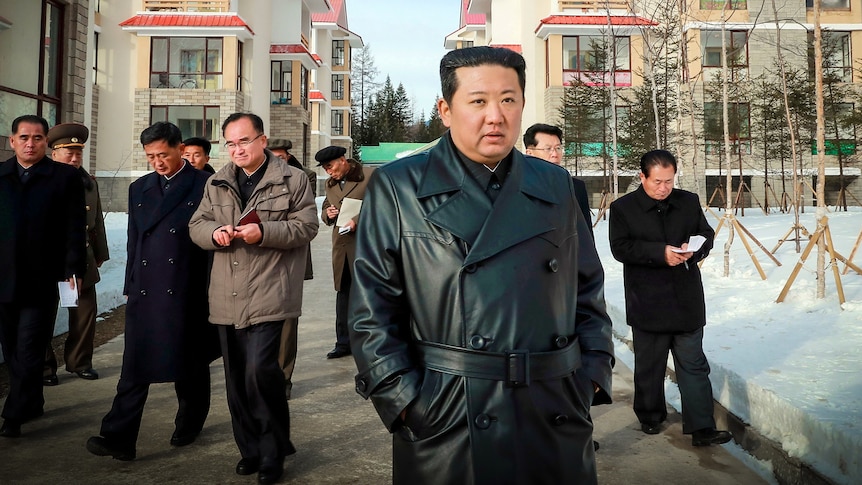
x: 68, y: 296
x: 694, y: 244
x: 343, y: 230
x: 349, y: 210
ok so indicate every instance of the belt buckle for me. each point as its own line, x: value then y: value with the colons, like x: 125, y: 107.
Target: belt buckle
x: 518, y: 368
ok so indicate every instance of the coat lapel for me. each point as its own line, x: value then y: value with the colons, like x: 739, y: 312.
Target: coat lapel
x: 165, y: 203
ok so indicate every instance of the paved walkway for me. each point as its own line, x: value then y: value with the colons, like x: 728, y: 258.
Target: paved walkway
x: 339, y: 438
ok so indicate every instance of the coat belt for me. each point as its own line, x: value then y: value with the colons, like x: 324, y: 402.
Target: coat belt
x: 515, y: 367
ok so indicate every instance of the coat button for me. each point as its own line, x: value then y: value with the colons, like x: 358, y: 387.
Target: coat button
x: 144, y: 262
x: 561, y: 341
x: 233, y: 294
x: 560, y: 419
x: 147, y: 234
x: 144, y: 292
x: 190, y: 203
x: 172, y: 231
x: 471, y: 268
x: 88, y: 208
x: 553, y: 265
x: 361, y: 385
x: 170, y: 292
x: 236, y: 263
x: 140, y: 204
x: 483, y: 421
x: 477, y: 342
x: 171, y: 260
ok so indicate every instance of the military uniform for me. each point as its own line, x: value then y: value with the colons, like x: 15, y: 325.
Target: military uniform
x: 78, y: 352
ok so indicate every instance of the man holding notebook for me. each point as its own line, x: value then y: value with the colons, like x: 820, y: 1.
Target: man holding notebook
x: 345, y: 189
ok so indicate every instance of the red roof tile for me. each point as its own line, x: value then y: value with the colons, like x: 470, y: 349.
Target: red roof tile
x: 288, y: 49
x: 513, y: 47
x: 331, y: 16
x: 316, y: 95
x: 185, y: 20
x: 596, y: 20
x: 471, y: 18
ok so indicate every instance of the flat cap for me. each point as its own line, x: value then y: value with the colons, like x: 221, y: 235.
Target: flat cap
x: 329, y: 154
x: 68, y: 135
x: 279, y: 143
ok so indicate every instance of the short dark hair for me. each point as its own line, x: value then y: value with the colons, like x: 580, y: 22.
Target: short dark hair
x: 36, y: 120
x: 162, y: 131
x: 656, y: 158
x: 530, y: 134
x: 256, y: 122
x: 197, y: 141
x: 479, y: 56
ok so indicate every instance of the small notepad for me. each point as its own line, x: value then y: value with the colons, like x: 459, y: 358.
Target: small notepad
x: 68, y: 295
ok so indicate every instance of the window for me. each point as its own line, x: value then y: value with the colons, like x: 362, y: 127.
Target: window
x: 337, y: 122
x: 585, y: 58
x: 281, y: 86
x: 303, y: 87
x: 736, y: 43
x: 739, y: 127
x: 200, y: 121
x: 829, y: 4
x: 239, y: 66
x: 836, y: 55
x: 337, y: 52
x: 839, y: 134
x: 95, y: 57
x: 34, y: 85
x: 186, y: 62
x: 719, y: 4
x: 338, y: 86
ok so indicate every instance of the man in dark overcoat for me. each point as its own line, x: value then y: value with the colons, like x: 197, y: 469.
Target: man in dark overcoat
x: 347, y: 179
x: 167, y: 336
x: 66, y: 141
x: 41, y: 244
x: 477, y: 314
x: 649, y: 233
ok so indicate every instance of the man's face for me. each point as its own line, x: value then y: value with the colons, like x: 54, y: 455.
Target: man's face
x: 241, y: 132
x: 659, y: 183
x: 484, y: 117
x: 196, y: 156
x: 165, y: 159
x: 29, y: 143
x: 338, y: 168
x: 279, y: 152
x: 548, y: 147
x: 70, y: 156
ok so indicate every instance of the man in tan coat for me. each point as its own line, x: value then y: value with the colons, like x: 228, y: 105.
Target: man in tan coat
x: 67, y: 141
x: 347, y: 179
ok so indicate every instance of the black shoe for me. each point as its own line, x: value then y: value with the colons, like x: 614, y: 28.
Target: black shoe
x: 338, y: 352
x: 10, y: 429
x: 707, y: 437
x: 270, y: 473
x: 102, y: 447
x: 595, y: 445
x: 51, y: 380
x: 651, y: 427
x: 89, y: 374
x: 183, y: 439
x: 248, y: 466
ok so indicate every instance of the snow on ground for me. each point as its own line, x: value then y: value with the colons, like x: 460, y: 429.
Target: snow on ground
x: 791, y: 370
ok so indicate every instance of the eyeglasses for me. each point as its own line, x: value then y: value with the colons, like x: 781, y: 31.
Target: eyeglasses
x: 557, y: 149
x: 230, y: 145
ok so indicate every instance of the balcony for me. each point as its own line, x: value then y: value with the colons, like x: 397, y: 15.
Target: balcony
x: 187, y: 6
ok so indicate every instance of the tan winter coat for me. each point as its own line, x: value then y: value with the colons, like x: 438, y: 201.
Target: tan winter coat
x: 259, y: 283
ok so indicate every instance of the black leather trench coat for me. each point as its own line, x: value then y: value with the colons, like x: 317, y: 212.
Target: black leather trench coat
x: 660, y: 298
x: 437, y: 263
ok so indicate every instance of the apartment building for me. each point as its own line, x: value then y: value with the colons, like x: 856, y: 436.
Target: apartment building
x: 119, y: 66
x: 558, y: 38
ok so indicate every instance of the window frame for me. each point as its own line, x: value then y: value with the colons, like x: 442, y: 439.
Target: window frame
x: 338, y: 87
x: 594, y: 77
x: 731, y: 47
x: 209, y: 132
x: 338, y: 52
x: 280, y: 94
x: 337, y: 127
x: 713, y: 144
x: 184, y: 75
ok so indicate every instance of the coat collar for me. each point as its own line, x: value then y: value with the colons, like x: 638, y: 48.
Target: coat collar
x: 276, y: 170
x: 181, y: 184
x: 42, y: 167
x: 519, y: 213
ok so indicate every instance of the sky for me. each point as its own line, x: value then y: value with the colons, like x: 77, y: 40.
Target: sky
x: 791, y: 370
x: 406, y: 41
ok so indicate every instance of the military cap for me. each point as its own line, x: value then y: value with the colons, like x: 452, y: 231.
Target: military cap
x: 68, y: 135
x: 279, y: 143
x: 329, y: 154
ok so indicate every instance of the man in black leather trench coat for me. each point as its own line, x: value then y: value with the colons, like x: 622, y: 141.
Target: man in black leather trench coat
x: 478, y: 320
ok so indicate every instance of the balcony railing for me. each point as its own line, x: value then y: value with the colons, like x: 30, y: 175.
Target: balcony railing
x: 187, y: 5
x: 594, y: 5
x: 621, y: 78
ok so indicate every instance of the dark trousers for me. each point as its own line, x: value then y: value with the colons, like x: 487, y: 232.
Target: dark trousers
x: 255, y: 391
x: 692, y: 375
x: 25, y: 331
x: 123, y: 422
x: 287, y: 350
x: 342, y: 298
x: 78, y: 352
